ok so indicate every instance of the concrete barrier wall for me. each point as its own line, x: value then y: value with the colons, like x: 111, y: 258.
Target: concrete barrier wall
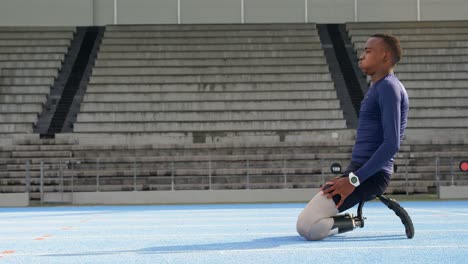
x: 102, y: 12
x: 194, y: 197
x: 14, y: 199
x: 453, y: 192
x: 46, y: 12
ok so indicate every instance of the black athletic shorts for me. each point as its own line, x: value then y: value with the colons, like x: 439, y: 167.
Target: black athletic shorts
x: 367, y: 190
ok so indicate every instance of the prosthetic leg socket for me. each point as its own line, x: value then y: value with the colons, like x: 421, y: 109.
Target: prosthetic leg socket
x: 345, y: 223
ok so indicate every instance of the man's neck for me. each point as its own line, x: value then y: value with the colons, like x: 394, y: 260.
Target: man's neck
x: 380, y: 74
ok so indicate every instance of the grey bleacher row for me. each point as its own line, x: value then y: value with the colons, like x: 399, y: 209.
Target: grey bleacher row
x: 434, y: 69
x: 231, y: 166
x: 220, y: 78
x: 30, y: 59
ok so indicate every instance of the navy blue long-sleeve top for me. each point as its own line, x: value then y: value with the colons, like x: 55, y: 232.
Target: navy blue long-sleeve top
x: 382, y: 122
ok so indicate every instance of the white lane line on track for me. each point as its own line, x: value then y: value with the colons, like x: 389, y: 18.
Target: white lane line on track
x: 149, y: 219
x: 273, y: 249
x: 212, y: 212
x: 182, y: 222
x: 236, y: 234
x: 183, y: 225
x: 438, y: 211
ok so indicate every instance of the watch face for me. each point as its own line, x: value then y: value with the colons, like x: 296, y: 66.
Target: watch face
x: 353, y: 180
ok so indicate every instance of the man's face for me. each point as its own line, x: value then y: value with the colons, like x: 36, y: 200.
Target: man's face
x: 374, y: 57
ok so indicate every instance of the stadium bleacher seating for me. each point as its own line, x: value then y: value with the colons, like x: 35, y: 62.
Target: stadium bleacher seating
x: 206, y: 80
x: 226, y: 106
x: 30, y: 59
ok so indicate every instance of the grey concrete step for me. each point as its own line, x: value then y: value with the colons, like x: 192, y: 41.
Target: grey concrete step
x: 158, y: 167
x: 445, y: 144
x: 211, y: 47
x: 222, y: 27
x: 208, y: 70
x: 225, y: 87
x: 34, y: 140
x: 40, y: 81
x: 31, y: 64
x: 18, y: 72
x: 208, y: 96
x: 439, y: 122
x: 439, y: 84
x: 161, y: 163
x: 18, y: 118
x: 47, y: 167
x: 23, y: 98
x: 438, y: 93
x: 425, y: 44
x: 438, y: 102
x: 409, y: 24
x: 208, y: 55
x: 455, y: 51
x: 226, y: 176
x: 34, y: 42
x: 218, y: 78
x: 209, y: 126
x: 231, y: 154
x: 108, y: 42
x: 410, y: 31
x: 210, y: 33
x: 152, y: 159
x: 432, y: 76
x: 44, y: 148
x: 416, y: 185
x: 23, y: 108
x: 32, y: 57
x: 411, y: 37
x: 41, y: 154
x: 164, y: 138
x: 25, y: 89
x: 432, y: 67
x: 225, y: 154
x: 441, y: 154
x: 186, y: 62
x: 228, y: 152
x: 18, y: 184
x: 423, y: 59
x: 36, y: 35
x: 110, y: 175
x: 211, y: 116
x: 29, y: 49
x: 33, y: 190
x: 429, y: 111
x: 6, y: 128
x: 211, y: 106
x: 458, y: 134
x: 233, y: 148
x: 36, y: 29
x: 162, y: 169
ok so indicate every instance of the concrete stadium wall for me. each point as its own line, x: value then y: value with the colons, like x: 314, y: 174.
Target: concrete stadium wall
x: 184, y: 197
x: 101, y: 12
x: 46, y: 12
x: 14, y: 199
x: 453, y: 192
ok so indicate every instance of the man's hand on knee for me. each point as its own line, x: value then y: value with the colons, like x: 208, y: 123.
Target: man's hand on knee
x: 338, y: 186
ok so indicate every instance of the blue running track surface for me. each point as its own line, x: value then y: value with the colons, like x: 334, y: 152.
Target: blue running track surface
x: 221, y: 234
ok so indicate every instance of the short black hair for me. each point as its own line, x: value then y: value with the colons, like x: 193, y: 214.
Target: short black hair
x: 393, y: 44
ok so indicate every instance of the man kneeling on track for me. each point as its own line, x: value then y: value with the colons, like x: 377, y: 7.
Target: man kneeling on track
x: 382, y: 122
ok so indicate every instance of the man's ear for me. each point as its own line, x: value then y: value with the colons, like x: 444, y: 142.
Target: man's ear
x: 387, y: 56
